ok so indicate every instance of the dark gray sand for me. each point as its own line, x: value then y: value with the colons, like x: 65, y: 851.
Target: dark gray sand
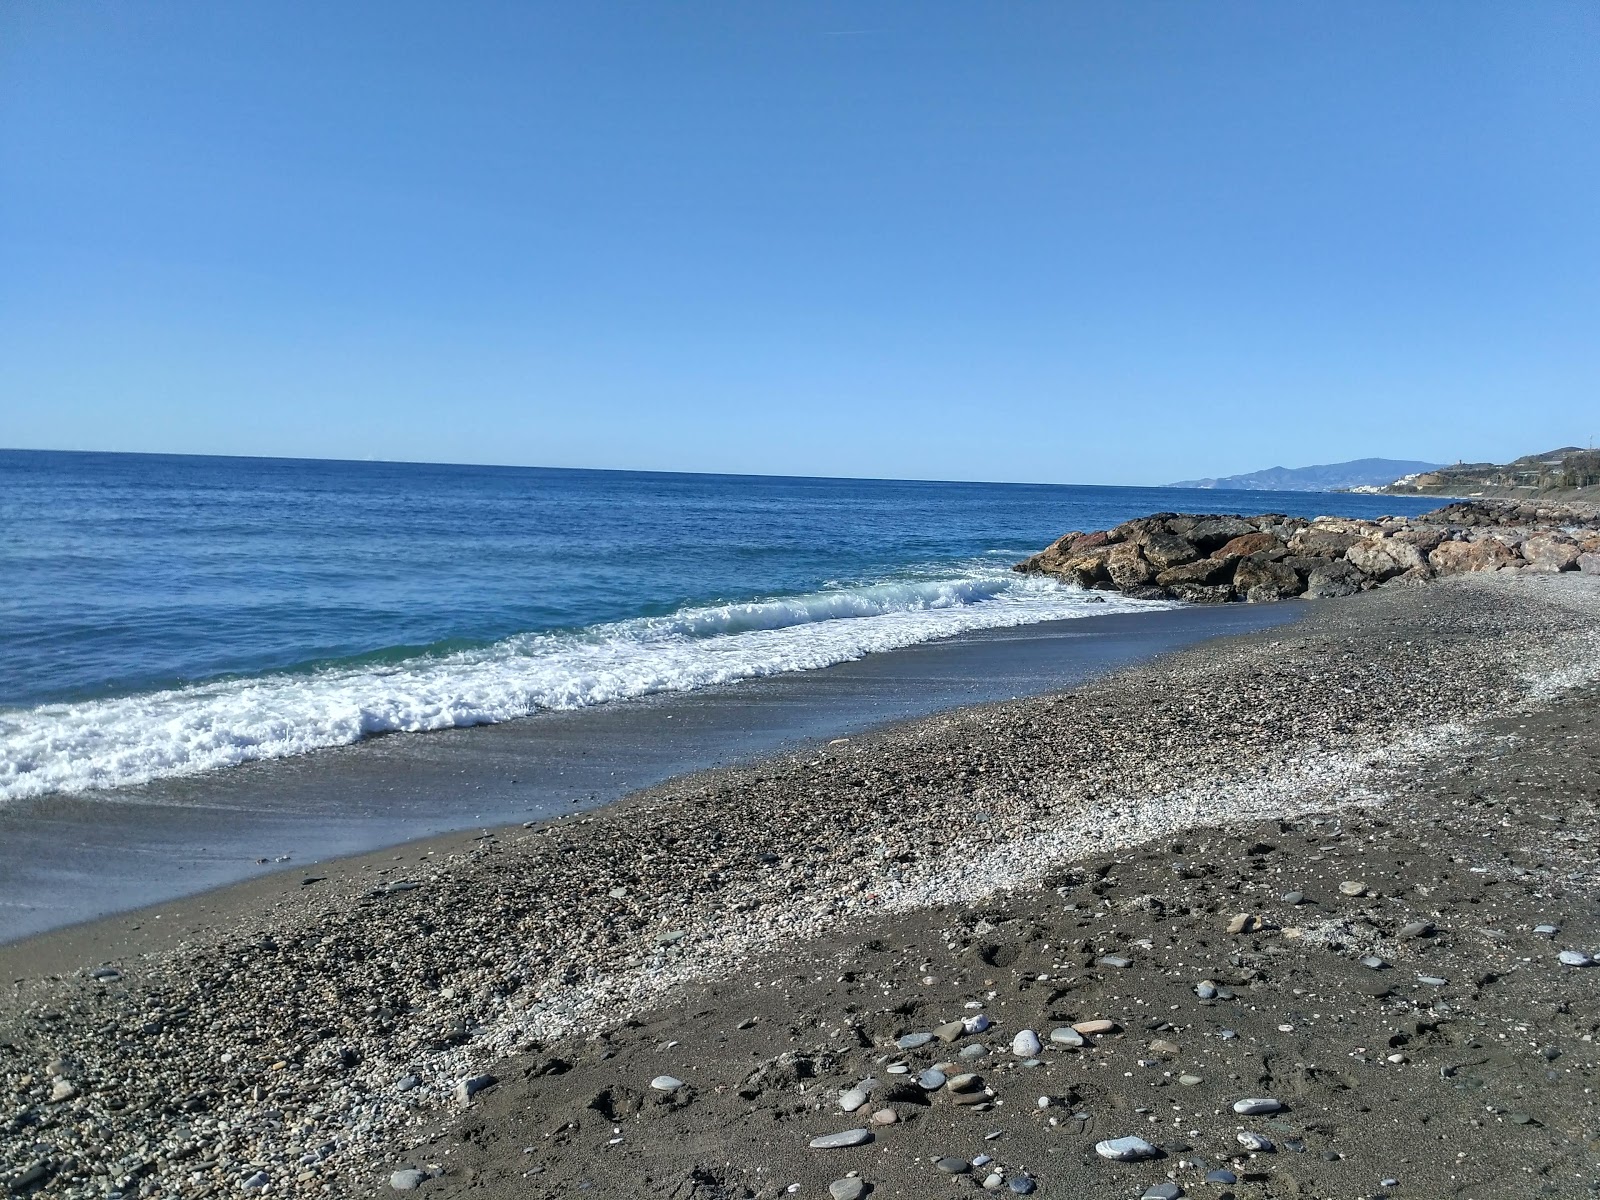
x: 70, y: 859
x: 765, y: 933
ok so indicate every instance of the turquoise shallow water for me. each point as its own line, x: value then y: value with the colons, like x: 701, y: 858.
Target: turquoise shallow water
x: 167, y: 615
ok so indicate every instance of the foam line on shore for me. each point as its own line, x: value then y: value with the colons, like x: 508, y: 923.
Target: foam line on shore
x: 184, y: 731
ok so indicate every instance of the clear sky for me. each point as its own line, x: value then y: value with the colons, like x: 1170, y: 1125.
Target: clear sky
x: 1104, y: 243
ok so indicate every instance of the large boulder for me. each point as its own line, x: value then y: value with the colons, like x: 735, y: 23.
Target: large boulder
x: 1201, y: 572
x: 1128, y: 567
x: 1589, y: 563
x: 1334, y: 577
x: 1167, y: 550
x: 1456, y: 558
x: 1323, y: 541
x: 1216, y: 532
x: 1200, y: 593
x: 1551, y: 552
x: 1384, y: 558
x: 1250, y: 543
x: 1258, y: 579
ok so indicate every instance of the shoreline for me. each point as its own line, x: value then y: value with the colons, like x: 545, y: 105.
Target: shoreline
x: 323, y: 998
x: 76, y: 858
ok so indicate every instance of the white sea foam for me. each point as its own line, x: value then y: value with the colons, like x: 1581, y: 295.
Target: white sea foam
x: 135, y: 739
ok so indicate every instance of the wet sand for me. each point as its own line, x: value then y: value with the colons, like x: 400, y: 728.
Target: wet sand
x: 71, y: 859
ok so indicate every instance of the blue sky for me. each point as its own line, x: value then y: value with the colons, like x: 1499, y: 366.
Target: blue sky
x: 1104, y: 243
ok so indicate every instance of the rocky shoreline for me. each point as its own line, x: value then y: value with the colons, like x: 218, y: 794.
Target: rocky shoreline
x: 1206, y: 559
x: 491, y: 1011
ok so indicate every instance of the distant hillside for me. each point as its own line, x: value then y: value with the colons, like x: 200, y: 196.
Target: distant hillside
x: 1332, y: 477
x: 1568, y: 472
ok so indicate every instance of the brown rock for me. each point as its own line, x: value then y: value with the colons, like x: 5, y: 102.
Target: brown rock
x: 1258, y: 579
x: 1455, y: 558
x: 1216, y: 532
x: 1550, y: 552
x: 1168, y: 550
x: 1383, y: 558
x: 1202, y: 570
x: 1201, y: 593
x: 1589, y: 563
x: 1321, y: 541
x: 1128, y: 567
x: 1247, y: 544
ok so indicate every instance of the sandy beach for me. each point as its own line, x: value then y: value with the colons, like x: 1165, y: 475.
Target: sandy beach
x: 1307, y: 865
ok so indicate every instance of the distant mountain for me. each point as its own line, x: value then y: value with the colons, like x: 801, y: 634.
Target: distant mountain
x: 1332, y: 477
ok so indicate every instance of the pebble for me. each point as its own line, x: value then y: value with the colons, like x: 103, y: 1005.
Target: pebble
x: 931, y: 1080
x: 913, y: 1041
x: 847, y: 1189
x: 1294, y: 897
x: 953, y: 1166
x: 62, y: 1090
x: 1255, y: 1142
x: 1575, y: 958
x: 408, y: 1180
x: 1113, y: 960
x: 471, y: 1086
x: 1125, y: 1149
x: 971, y: 1052
x: 964, y: 1083
x: 1432, y: 980
x: 1416, y: 929
x: 1026, y: 1044
x: 1098, y: 1026
x: 1547, y: 930
x: 106, y: 974
x: 1221, y: 1175
x: 671, y: 1083
x: 1162, y: 1191
x: 1373, y: 963
x: 406, y: 1082
x: 1244, y: 923
x: 885, y: 1116
x: 951, y: 1031
x: 1256, y: 1106
x: 256, y: 1182
x: 1206, y: 989
x: 992, y: 1181
x: 1022, y: 1185
x: 1352, y: 887
x: 977, y: 1023
x: 841, y: 1140
x: 1190, y: 1080
x: 852, y: 1099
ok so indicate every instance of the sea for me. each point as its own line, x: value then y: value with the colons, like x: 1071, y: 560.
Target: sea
x: 165, y: 615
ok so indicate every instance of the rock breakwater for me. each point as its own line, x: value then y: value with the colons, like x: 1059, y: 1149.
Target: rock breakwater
x: 1210, y: 559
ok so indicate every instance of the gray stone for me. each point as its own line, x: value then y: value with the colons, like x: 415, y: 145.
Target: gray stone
x: 953, y: 1166
x: 913, y: 1041
x: 1255, y: 1142
x: 256, y: 1182
x: 1066, y: 1036
x: 1125, y: 1149
x: 1294, y: 897
x: 842, y: 1140
x: 931, y: 1080
x: 1022, y: 1185
x: 1114, y: 960
x: 407, y: 1180
x: 968, y: 1053
x: 1026, y: 1044
x: 1255, y: 1106
x: 964, y: 1083
x: 847, y: 1189
x: 1575, y: 958
x: 852, y: 1099
x: 1221, y: 1175
x: 1373, y: 963
x: 1162, y: 1191
x: 671, y: 1083
x: 1416, y: 929
x: 471, y: 1086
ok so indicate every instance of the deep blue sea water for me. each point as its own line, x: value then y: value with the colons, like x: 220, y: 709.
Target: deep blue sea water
x: 164, y: 615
